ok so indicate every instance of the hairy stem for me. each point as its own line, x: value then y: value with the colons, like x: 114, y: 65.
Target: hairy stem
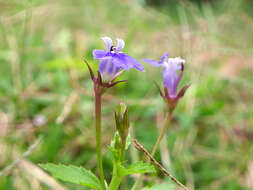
x: 98, y: 136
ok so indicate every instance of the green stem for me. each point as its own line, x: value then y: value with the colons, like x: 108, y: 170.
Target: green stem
x: 116, y: 178
x: 114, y: 185
x: 98, y: 137
x: 163, y: 132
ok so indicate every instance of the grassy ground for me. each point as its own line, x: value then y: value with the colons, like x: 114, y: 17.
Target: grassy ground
x: 46, y: 94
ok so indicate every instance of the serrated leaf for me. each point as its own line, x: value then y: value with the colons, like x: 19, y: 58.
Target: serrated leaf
x: 138, y: 168
x: 73, y: 174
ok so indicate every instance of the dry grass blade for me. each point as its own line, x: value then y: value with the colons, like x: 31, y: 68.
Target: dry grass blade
x: 67, y: 107
x: 7, y: 169
x: 32, y: 169
x: 142, y: 149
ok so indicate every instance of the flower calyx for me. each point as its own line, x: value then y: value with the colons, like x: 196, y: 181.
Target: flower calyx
x: 171, y: 101
x: 98, y: 82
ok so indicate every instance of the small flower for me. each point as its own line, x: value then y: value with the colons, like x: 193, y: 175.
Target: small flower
x: 112, y: 59
x: 172, y: 73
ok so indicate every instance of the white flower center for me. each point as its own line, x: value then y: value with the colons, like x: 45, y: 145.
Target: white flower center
x: 174, y: 64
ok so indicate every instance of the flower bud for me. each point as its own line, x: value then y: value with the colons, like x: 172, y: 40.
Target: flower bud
x: 122, y: 120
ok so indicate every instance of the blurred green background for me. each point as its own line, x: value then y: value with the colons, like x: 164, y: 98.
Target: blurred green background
x: 46, y: 94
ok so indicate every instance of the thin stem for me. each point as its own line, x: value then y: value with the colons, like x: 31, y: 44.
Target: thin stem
x: 163, y: 132
x: 98, y: 136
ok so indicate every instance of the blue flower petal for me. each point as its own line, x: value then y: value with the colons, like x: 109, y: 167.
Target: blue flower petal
x: 170, y: 81
x: 157, y: 63
x: 164, y: 57
x: 99, y: 54
x: 119, y: 62
x: 130, y: 62
x: 153, y: 62
x: 102, y: 65
x: 107, y: 69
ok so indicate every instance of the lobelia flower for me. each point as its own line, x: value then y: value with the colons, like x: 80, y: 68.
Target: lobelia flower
x: 172, y: 73
x: 112, y: 59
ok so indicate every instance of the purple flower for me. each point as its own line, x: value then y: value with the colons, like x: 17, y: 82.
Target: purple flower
x: 112, y: 59
x: 171, y: 77
x: 172, y: 74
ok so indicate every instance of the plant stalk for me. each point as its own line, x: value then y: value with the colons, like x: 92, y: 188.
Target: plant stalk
x: 163, y: 132
x: 98, y: 96
x: 116, y: 178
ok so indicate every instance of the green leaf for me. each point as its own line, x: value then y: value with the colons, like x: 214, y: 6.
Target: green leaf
x: 138, y: 168
x: 73, y: 174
